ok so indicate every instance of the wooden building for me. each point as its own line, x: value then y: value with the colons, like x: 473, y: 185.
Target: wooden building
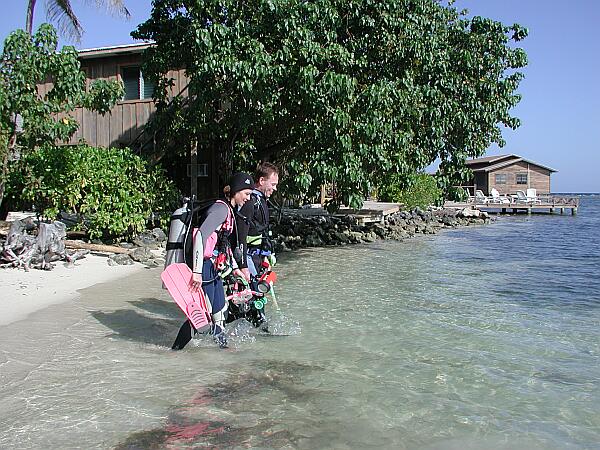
x: 125, y: 125
x: 508, y: 174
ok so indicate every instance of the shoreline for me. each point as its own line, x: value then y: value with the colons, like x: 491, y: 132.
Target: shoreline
x: 24, y: 293
x: 298, y: 230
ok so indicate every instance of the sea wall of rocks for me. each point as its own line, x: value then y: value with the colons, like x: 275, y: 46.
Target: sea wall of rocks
x: 296, y: 230
x: 147, y: 248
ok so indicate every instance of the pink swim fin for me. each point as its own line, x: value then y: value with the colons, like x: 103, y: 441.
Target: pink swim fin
x: 178, y: 279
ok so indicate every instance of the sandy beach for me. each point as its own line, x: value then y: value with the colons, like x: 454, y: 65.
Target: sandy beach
x: 23, y: 293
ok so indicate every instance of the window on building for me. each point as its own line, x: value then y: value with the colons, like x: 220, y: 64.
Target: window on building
x: 521, y: 178
x: 501, y: 178
x: 136, y: 86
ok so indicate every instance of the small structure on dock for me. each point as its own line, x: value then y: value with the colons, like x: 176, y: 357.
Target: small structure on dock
x: 508, y: 174
x: 544, y: 203
x: 371, y: 211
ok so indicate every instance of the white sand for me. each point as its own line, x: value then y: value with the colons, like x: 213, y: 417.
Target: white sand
x: 22, y: 293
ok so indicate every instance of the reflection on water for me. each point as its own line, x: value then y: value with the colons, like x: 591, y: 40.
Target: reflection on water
x: 479, y: 338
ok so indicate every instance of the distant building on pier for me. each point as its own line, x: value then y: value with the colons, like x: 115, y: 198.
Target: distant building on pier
x: 508, y: 174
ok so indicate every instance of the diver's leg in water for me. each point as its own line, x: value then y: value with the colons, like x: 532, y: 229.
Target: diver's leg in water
x: 186, y: 332
x: 257, y: 318
x: 214, y: 291
x: 234, y: 312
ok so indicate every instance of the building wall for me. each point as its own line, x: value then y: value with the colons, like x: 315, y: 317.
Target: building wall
x: 126, y: 120
x: 538, y: 178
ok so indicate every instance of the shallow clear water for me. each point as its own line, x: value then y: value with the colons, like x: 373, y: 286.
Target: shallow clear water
x: 477, y: 338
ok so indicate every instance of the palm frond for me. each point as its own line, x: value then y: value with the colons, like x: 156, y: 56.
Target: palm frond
x: 115, y: 7
x: 61, y: 13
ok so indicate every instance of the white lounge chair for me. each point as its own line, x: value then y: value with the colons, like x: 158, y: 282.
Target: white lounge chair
x: 497, y: 198
x: 480, y: 197
x: 532, y: 196
x: 522, y: 198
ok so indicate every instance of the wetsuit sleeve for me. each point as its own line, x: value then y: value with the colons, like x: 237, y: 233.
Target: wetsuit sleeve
x: 241, y: 222
x: 215, y: 216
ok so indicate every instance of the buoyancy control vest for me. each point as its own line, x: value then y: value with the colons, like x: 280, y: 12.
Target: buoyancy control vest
x: 179, y: 243
x: 258, y: 234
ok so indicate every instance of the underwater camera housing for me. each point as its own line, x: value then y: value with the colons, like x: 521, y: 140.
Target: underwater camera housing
x: 265, y: 281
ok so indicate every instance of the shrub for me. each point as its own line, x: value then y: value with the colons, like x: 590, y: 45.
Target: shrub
x: 419, y: 190
x: 113, y: 191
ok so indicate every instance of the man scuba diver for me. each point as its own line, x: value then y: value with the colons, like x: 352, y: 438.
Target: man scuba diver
x: 210, y: 255
x: 254, y: 237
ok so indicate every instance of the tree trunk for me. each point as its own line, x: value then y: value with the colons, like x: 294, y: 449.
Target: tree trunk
x: 5, y: 147
x: 29, y: 23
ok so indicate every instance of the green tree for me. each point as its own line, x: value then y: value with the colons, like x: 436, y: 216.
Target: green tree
x: 343, y: 91
x: 112, y: 191
x: 417, y: 190
x: 28, y: 61
x: 61, y: 13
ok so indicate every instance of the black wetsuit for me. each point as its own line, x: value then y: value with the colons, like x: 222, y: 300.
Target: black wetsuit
x: 254, y: 222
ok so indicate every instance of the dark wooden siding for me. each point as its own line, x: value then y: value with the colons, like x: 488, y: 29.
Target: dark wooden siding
x: 124, y: 123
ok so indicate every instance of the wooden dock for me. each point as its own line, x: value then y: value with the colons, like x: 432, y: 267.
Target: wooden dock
x: 371, y: 212
x: 542, y: 204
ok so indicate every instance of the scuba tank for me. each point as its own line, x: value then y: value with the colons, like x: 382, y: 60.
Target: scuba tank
x: 178, y: 228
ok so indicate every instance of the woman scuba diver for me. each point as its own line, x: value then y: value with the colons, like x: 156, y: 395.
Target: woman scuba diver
x: 211, y: 254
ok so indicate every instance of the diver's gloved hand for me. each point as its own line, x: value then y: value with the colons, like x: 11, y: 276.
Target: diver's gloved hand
x: 196, y: 282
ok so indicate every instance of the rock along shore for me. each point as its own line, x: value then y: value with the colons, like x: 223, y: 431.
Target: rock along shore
x: 301, y: 229
x: 296, y: 230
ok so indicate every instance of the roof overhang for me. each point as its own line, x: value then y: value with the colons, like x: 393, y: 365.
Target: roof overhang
x: 105, y: 52
x: 511, y: 162
x: 489, y: 159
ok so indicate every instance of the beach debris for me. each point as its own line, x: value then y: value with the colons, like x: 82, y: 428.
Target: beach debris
x: 100, y: 248
x: 29, y: 244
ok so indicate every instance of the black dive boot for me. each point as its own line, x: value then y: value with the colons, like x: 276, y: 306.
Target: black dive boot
x: 186, y: 332
x: 220, y: 337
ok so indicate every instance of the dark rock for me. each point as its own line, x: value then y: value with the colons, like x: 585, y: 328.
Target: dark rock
x: 146, y: 239
x: 142, y: 254
x: 120, y: 259
x: 313, y: 240
x: 369, y: 237
x: 159, y: 235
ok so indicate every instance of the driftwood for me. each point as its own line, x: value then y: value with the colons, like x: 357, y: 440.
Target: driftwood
x: 25, y: 248
x: 96, y: 247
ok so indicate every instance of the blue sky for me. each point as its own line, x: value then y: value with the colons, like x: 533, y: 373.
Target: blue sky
x: 560, y: 109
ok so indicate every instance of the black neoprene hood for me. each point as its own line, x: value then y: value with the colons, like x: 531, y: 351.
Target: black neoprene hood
x: 240, y: 181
